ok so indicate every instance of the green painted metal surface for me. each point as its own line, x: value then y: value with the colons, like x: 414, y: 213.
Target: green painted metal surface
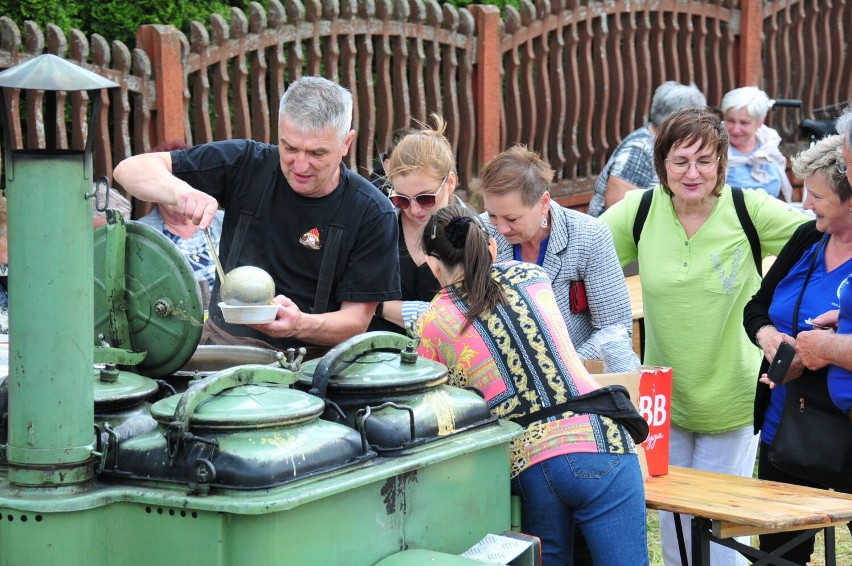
x: 51, y: 314
x: 443, y: 496
x: 54, y: 509
x: 145, y: 294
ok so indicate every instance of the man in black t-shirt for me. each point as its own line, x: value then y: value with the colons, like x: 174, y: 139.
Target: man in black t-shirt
x: 290, y: 193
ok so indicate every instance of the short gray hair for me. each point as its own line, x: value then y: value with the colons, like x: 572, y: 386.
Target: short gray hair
x: 844, y: 127
x: 822, y: 159
x: 313, y: 104
x: 671, y: 96
x: 754, y: 100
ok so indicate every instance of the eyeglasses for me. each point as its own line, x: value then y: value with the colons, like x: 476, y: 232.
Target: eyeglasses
x: 842, y: 168
x: 702, y: 165
x: 402, y: 202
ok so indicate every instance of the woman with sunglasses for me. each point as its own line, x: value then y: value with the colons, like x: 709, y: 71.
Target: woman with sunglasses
x: 422, y: 173
x: 697, y: 274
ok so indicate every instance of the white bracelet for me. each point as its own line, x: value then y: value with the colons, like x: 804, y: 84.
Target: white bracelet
x: 756, y: 342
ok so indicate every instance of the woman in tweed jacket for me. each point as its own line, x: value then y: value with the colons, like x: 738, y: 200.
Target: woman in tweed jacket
x: 574, y: 249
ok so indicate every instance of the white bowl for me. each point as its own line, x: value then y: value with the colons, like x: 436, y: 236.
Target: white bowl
x: 248, y: 314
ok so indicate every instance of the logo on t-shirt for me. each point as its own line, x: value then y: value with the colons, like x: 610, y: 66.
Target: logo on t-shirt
x: 840, y: 290
x: 311, y: 239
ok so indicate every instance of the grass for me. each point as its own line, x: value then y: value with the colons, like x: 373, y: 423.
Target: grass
x: 842, y: 537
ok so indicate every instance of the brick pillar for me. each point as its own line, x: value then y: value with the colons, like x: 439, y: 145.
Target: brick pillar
x: 163, y: 46
x: 487, y: 88
x: 749, y: 61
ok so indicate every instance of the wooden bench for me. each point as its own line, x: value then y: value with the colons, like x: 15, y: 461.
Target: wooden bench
x: 725, y: 506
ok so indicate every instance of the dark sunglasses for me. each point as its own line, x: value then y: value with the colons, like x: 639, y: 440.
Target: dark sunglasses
x: 402, y: 202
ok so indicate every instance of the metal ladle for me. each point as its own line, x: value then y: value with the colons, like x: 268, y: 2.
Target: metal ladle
x: 215, y: 256
x: 244, y: 286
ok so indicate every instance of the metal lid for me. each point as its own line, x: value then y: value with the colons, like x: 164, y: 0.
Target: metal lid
x: 115, y: 388
x: 380, y: 371
x: 257, y: 405
x: 49, y: 72
x: 163, y: 305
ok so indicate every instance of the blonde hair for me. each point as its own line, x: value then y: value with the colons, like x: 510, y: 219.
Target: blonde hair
x: 425, y: 150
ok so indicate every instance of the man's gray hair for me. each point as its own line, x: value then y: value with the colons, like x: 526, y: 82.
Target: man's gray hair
x: 844, y: 127
x: 313, y: 104
x: 754, y: 100
x: 672, y: 96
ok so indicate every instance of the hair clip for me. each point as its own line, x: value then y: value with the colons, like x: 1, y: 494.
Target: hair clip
x: 434, y: 229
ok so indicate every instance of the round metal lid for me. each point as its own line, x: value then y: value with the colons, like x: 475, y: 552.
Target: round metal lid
x: 121, y: 388
x: 248, y: 406
x: 380, y: 371
x: 156, y: 274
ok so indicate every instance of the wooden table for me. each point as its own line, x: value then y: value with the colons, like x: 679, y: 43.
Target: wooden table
x: 634, y: 289
x: 725, y: 506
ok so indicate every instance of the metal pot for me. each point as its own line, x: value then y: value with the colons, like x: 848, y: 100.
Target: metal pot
x: 377, y: 384
x: 122, y: 402
x: 241, y: 428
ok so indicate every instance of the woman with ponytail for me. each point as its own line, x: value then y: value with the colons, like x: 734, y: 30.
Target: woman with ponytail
x: 498, y: 329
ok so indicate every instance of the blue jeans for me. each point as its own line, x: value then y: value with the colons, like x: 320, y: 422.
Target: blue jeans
x: 602, y: 493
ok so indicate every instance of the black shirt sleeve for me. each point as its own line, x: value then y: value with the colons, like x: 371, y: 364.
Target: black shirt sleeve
x: 756, y: 312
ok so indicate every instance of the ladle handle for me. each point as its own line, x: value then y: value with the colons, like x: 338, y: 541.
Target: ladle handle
x: 225, y: 379
x: 215, y: 256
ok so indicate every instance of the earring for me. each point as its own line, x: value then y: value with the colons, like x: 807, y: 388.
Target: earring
x: 544, y: 221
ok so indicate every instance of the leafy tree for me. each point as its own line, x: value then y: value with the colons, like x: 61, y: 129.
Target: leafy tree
x: 115, y: 20
x: 120, y: 20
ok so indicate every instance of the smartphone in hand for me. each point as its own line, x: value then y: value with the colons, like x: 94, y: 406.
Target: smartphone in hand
x: 781, y: 363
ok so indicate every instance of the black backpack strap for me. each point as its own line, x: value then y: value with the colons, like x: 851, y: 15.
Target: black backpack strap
x: 249, y: 208
x: 330, y: 258
x: 642, y: 214
x: 742, y: 215
x: 748, y: 227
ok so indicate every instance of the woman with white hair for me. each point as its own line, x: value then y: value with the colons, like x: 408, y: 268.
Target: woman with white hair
x: 832, y: 346
x: 754, y: 160
x: 810, y: 277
